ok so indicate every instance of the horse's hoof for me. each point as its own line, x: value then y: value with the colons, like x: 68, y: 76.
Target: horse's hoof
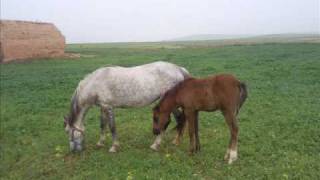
x: 155, y: 147
x: 231, y: 160
x: 99, y: 145
x: 113, y: 149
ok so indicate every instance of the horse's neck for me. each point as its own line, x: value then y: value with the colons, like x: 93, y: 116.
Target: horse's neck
x: 79, y: 117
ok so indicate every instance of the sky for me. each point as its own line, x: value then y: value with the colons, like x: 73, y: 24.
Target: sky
x: 155, y: 20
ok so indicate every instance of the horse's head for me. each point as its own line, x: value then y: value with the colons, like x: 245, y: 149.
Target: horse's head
x: 76, y: 135
x: 160, y: 120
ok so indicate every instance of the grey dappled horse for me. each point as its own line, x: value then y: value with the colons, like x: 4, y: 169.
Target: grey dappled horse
x: 118, y: 87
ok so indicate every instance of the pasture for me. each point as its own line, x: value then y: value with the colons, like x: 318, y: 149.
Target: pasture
x: 279, y: 123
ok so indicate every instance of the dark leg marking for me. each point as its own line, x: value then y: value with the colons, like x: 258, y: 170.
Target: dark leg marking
x: 112, y: 127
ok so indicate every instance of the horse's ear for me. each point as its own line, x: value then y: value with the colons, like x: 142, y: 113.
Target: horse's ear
x: 66, y: 120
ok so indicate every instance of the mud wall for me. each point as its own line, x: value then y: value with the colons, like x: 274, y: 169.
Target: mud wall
x: 28, y: 40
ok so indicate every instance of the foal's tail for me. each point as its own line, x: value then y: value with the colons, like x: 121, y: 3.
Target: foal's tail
x: 243, y: 94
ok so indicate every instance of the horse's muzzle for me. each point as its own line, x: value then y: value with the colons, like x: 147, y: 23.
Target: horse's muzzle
x: 75, y: 146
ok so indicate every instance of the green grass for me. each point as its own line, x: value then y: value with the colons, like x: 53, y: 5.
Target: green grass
x: 279, y: 123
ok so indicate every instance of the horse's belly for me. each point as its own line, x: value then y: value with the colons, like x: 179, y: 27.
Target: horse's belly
x: 139, y: 101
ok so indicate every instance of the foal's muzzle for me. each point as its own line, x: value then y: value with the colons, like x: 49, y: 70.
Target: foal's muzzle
x: 156, y: 131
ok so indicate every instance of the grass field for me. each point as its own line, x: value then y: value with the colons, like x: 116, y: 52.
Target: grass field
x: 279, y: 123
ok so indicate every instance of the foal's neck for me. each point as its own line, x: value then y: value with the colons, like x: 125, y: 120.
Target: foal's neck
x: 168, y: 103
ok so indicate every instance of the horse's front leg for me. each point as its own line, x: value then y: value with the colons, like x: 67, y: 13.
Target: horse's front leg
x: 112, y: 127
x: 103, y: 124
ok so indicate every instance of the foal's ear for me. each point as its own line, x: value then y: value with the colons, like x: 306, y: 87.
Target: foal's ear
x: 156, y: 108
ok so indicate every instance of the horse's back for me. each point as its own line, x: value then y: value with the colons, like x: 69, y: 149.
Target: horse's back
x: 159, y: 68
x: 131, y: 86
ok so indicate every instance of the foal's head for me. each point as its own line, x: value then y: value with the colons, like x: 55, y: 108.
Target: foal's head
x: 160, y: 120
x: 75, y: 134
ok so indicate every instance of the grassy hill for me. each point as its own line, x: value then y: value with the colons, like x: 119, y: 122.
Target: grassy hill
x: 250, y: 39
x: 205, y: 37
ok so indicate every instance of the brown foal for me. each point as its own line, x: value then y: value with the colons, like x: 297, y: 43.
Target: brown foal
x: 221, y: 92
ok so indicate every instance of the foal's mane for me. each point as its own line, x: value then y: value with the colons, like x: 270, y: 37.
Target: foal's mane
x: 171, y: 92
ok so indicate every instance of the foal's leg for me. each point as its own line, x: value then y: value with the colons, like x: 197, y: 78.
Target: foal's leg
x: 181, y: 121
x: 103, y: 124
x: 196, y: 125
x: 232, y: 151
x: 156, y: 144
x: 112, y: 127
x: 191, y: 119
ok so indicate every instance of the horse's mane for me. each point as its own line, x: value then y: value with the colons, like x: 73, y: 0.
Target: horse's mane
x: 74, y: 108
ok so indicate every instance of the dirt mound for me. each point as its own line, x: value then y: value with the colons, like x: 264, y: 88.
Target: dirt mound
x: 27, y: 40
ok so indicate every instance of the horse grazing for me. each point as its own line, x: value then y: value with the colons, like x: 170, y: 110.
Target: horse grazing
x: 221, y: 92
x: 113, y: 87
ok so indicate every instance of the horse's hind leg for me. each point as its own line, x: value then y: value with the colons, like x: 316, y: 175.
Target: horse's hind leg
x: 232, y: 151
x: 103, y: 123
x: 112, y: 127
x: 181, y: 121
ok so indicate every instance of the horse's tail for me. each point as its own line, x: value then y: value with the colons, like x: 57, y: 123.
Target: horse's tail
x: 185, y: 72
x: 243, y: 93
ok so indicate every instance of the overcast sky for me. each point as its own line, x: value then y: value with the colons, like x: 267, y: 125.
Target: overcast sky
x: 153, y: 20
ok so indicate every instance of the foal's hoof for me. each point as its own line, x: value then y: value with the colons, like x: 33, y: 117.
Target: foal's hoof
x: 155, y: 147
x: 175, y: 142
x: 191, y: 153
x: 231, y: 157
